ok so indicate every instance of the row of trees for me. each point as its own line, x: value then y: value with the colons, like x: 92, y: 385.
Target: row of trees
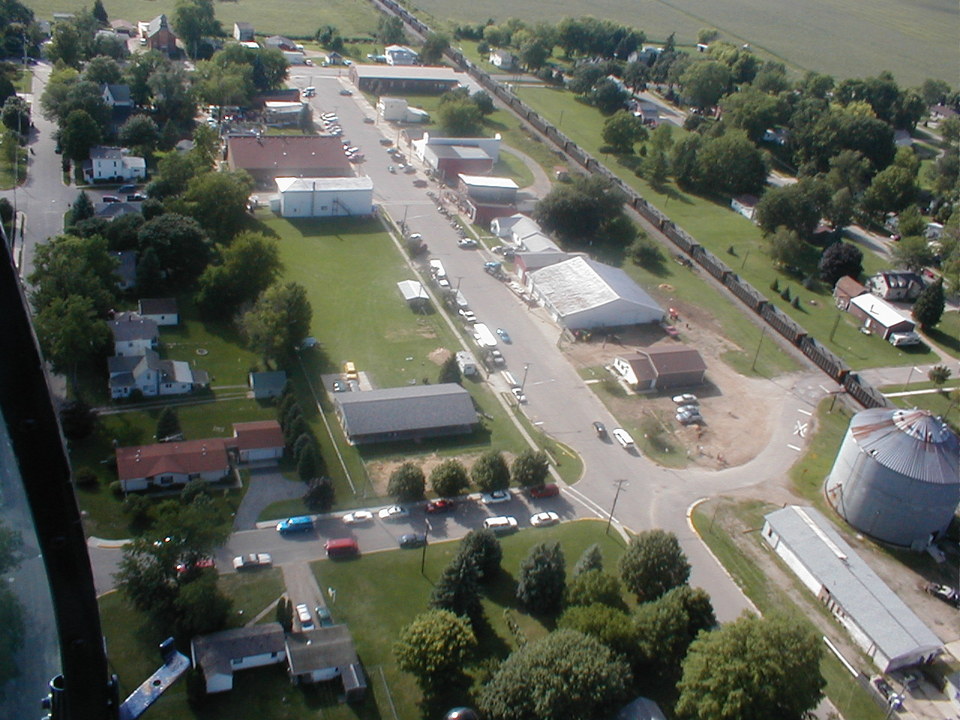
x: 304, y: 449
x: 600, y: 653
x: 489, y: 473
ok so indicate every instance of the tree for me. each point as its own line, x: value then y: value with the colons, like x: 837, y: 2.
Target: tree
x: 912, y: 253
x: 168, y: 425
x: 610, y: 625
x: 938, y: 375
x: 103, y: 70
x: 622, y: 130
x: 595, y: 587
x: 100, y: 13
x: 407, y: 483
x: 542, y: 581
x: 78, y: 133
x: 591, y: 559
x: 434, y: 45
x: 71, y: 334
x: 482, y: 548
x: 891, y: 190
x: 460, y: 118
x: 390, y: 30
x: 218, y: 201
x: 607, y: 96
x: 77, y: 419
x: 684, y: 161
x: 751, y: 110
x: 248, y: 267
x: 564, y: 676
x: 790, y: 206
x: 149, y: 273
x: 181, y: 245
x: 928, y: 309
x: 483, y: 101
x: 705, y: 82
x: 645, y: 252
x: 308, y: 464
x: 530, y: 468
x: 82, y: 208
x: 719, y: 673
x: 534, y: 53
x: 664, y: 630
x: 194, y: 20
x: 838, y: 260
x: 434, y: 648
x: 839, y: 211
x: 449, y: 371
x: 449, y: 478
x: 490, y: 472
x: 140, y: 133
x: 786, y: 249
x: 731, y: 164
x: 279, y: 321
x: 201, y: 607
x: 934, y: 91
x: 65, y: 45
x: 458, y: 590
x: 66, y: 266
x: 653, y: 564
x: 321, y: 493
x: 580, y: 211
x: 16, y: 114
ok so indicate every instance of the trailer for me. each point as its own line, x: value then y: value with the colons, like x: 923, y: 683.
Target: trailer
x: 483, y: 336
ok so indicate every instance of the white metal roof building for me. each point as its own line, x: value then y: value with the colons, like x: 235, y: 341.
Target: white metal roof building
x: 325, y: 197
x: 580, y: 294
x: 897, y: 475
x: 879, y: 316
x: 878, y: 620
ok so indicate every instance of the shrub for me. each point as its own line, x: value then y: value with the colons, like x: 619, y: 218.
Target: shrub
x: 85, y: 477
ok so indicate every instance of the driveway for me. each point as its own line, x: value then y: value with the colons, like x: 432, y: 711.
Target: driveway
x: 267, y: 486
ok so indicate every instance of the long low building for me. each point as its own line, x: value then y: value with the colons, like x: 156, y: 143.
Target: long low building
x: 877, y: 619
x: 325, y: 197
x: 405, y: 413
x: 401, y: 79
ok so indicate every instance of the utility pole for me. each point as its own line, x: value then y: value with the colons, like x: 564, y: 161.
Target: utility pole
x: 763, y: 331
x: 526, y: 367
x: 619, y: 483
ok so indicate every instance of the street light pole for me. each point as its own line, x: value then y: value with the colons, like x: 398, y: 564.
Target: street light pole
x: 426, y: 540
x: 526, y: 367
x: 613, y: 507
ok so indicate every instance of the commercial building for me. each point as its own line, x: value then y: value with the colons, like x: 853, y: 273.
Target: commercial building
x: 325, y: 197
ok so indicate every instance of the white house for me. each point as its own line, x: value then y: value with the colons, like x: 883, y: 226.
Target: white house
x: 220, y: 654
x: 260, y: 440
x: 152, y: 376
x: 132, y: 334
x: 113, y: 163
x: 242, y: 31
x: 580, y: 294
x: 397, y: 110
x: 896, y: 285
x: 503, y: 59
x: 267, y: 384
x: 172, y: 463
x: 321, y: 654
x: 877, y: 619
x: 162, y: 311
x: 746, y: 205
x: 126, y: 266
x: 117, y: 96
x: 400, y: 55
x: 325, y: 197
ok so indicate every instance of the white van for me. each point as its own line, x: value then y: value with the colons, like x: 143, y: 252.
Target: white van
x: 623, y: 437
x: 309, y: 91
x: 501, y: 525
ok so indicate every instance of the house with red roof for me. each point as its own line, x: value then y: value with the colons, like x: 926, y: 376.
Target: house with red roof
x: 168, y: 464
x: 261, y: 440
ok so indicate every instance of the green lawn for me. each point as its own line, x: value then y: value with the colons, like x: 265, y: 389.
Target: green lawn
x: 844, y: 38
x: 939, y: 403
x: 721, y: 230
x: 810, y: 472
x: 380, y: 593
x: 297, y: 19
x: 850, y: 698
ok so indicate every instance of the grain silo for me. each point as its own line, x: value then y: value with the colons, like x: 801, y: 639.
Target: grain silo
x: 897, y: 475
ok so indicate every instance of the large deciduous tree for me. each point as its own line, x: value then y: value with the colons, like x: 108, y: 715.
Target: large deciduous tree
x: 565, y: 676
x: 731, y: 164
x: 530, y: 468
x: 66, y: 266
x: 490, y: 472
x: 595, y: 586
x: 622, y: 130
x: 278, y: 322
x: 407, y: 483
x: 78, y: 133
x: 653, y: 564
x: 610, y: 625
x: 720, y: 672
x: 218, y: 201
x: 460, y: 117
x: 705, y: 82
x: 194, y: 20
x: 912, y: 253
x: 791, y: 206
x: 71, y: 334
x: 434, y: 649
x: 542, y: 580
x: 838, y: 260
x: 181, y: 246
x: 581, y: 211
x: 449, y: 478
x: 247, y: 268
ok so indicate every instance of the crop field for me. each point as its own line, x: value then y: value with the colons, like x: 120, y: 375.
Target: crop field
x: 296, y: 19
x: 914, y: 39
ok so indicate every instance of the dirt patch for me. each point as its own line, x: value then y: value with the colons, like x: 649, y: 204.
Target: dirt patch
x: 439, y: 356
x: 380, y: 471
x: 738, y: 411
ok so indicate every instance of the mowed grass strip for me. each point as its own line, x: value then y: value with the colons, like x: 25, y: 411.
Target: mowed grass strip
x: 720, y: 230
x: 380, y: 593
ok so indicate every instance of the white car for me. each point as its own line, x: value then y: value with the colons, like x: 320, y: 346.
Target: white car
x: 501, y: 525
x: 253, y: 560
x: 497, y: 496
x: 543, y: 519
x: 468, y: 316
x: 518, y: 394
x: 394, y: 512
x: 623, y: 437
x: 304, y: 616
x: 357, y: 517
x: 688, y: 409
x: 466, y: 243
x: 685, y: 399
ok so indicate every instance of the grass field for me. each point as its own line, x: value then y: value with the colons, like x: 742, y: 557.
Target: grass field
x: 296, y: 19
x: 939, y: 403
x: 845, y: 38
x: 721, y: 230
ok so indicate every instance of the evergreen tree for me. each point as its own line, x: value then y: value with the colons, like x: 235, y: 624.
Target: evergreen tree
x: 928, y: 309
x: 542, y: 581
x: 149, y: 273
x: 449, y: 371
x: 168, y: 425
x: 308, y: 464
x: 483, y: 549
x: 82, y: 208
x: 458, y: 590
x: 591, y: 559
x: 285, y: 614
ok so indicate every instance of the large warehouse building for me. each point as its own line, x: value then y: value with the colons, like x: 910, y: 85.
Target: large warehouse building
x: 325, y: 197
x: 876, y: 618
x: 897, y: 475
x: 582, y: 294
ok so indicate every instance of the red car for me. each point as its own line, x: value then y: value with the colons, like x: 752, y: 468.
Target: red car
x: 201, y: 564
x: 439, y: 506
x: 544, y: 491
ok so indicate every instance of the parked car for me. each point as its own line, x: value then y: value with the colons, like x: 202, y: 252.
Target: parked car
x: 110, y: 199
x: 694, y: 419
x: 688, y: 410
x: 200, y: 564
x: 893, y: 698
x: 501, y: 525
x: 309, y: 91
x: 339, y: 386
x: 136, y: 197
x: 394, y: 512
x: 468, y: 316
x: 544, y: 519
x: 518, y: 394
x: 949, y: 595
x: 624, y: 438
x: 301, y: 523
x: 685, y: 399
x: 303, y: 615
x: 504, y: 335
x: 345, y: 91
x: 466, y: 243
x: 497, y: 496
x: 126, y: 189
x: 357, y: 517
x: 413, y: 540
x: 252, y: 560
x: 600, y: 429
x: 440, y: 506
x: 544, y: 491
x: 323, y: 615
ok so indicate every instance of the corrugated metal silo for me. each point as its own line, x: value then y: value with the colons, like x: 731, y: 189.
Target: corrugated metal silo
x: 897, y: 475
